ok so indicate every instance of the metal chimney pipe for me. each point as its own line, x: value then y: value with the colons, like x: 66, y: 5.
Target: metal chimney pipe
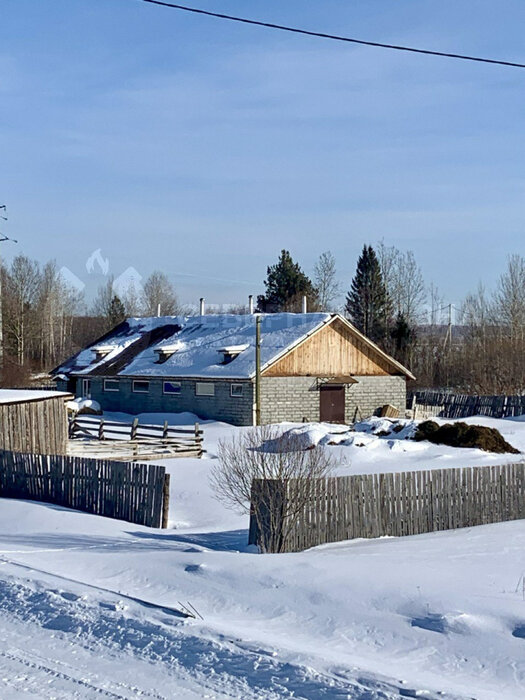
x: 202, y: 306
x: 158, y: 309
x: 305, y: 308
x: 250, y: 304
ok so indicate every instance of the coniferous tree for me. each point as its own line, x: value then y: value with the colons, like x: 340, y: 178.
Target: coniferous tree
x: 367, y: 303
x: 403, y: 340
x: 116, y: 311
x: 286, y: 284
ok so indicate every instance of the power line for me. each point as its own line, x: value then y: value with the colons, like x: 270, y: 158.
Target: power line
x: 333, y: 37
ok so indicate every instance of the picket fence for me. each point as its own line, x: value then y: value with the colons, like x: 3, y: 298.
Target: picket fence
x: 138, y: 493
x: 404, y: 503
x: 465, y: 405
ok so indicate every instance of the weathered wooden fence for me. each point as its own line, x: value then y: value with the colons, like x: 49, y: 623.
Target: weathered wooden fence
x: 405, y: 503
x: 465, y: 405
x: 34, y: 426
x: 136, y: 440
x: 138, y: 493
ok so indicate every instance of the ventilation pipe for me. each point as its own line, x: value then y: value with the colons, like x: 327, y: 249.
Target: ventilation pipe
x: 250, y: 304
x: 304, y: 305
x: 158, y: 309
x: 202, y: 306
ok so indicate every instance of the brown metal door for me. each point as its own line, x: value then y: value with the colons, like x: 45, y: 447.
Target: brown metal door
x: 332, y: 408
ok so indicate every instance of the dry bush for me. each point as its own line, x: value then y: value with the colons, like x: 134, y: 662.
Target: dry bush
x: 272, y: 484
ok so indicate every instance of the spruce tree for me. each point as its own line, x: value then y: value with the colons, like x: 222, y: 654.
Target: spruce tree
x: 404, y: 338
x: 116, y: 312
x: 286, y: 284
x: 367, y: 303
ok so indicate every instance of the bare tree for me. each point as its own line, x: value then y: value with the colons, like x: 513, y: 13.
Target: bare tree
x: 268, y: 474
x: 159, y: 292
x: 509, y: 302
x: 404, y: 282
x: 20, y: 299
x: 325, y: 281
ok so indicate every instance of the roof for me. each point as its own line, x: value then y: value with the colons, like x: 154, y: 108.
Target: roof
x: 10, y: 396
x: 196, y: 345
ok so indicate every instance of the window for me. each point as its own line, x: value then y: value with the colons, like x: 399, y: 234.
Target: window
x: 171, y: 388
x: 111, y: 385
x: 204, y: 389
x: 236, y: 389
x: 140, y: 386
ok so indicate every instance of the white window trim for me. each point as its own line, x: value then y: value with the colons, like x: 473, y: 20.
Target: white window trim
x: 140, y: 391
x: 111, y: 380
x: 236, y: 396
x: 209, y: 395
x: 172, y: 393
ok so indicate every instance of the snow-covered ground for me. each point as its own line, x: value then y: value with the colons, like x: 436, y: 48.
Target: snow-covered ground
x: 88, y: 605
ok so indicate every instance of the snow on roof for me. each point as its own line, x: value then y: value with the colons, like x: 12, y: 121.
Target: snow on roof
x: 24, y: 395
x: 114, y: 342
x: 202, y: 338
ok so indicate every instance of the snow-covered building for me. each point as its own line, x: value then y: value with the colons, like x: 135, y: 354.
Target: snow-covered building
x: 313, y: 366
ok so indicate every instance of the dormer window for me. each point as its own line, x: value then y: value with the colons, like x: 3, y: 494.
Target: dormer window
x: 165, y: 352
x: 230, y: 352
x: 101, y: 351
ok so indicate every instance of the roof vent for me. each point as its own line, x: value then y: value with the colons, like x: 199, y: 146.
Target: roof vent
x: 101, y: 351
x: 230, y: 352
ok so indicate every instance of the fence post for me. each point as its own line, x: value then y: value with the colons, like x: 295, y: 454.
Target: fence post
x: 165, y: 430
x: 134, y: 429
x: 101, y: 429
x: 165, y: 501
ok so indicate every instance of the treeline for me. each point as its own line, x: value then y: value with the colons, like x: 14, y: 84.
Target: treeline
x: 45, y: 320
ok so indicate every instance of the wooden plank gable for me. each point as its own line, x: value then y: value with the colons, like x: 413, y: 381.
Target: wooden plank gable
x: 334, y: 350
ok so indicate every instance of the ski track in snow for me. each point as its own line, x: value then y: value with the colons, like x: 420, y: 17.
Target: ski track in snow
x: 220, y: 669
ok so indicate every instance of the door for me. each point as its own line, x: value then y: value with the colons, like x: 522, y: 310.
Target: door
x: 86, y: 388
x: 332, y: 408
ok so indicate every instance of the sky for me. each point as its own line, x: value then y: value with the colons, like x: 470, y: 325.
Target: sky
x: 164, y: 140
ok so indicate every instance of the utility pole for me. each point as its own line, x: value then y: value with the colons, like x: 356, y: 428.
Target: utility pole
x: 258, y: 369
x: 3, y: 238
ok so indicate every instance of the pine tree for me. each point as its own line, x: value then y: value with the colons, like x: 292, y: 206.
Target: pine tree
x: 367, y: 303
x: 116, y: 312
x: 404, y: 338
x: 286, y: 284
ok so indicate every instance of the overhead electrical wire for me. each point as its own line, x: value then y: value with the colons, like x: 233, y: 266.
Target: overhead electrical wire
x: 334, y: 37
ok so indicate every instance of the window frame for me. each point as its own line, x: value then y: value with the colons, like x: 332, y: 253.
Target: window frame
x: 140, y: 391
x: 237, y: 384
x: 115, y: 381
x: 171, y: 393
x: 208, y: 395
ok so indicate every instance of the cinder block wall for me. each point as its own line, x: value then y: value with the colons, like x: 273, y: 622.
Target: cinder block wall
x: 237, y: 410
x: 289, y: 399
x: 295, y: 398
x: 370, y: 393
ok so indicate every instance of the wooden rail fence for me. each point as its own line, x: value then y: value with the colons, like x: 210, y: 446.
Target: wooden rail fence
x: 135, y: 440
x: 465, y: 405
x: 138, y: 493
x: 405, y: 503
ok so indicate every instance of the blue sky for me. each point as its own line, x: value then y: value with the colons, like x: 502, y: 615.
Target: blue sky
x: 202, y: 147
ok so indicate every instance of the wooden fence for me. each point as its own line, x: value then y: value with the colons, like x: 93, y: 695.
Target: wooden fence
x: 405, y: 503
x: 138, y: 493
x: 35, y: 426
x: 136, y: 440
x: 464, y: 405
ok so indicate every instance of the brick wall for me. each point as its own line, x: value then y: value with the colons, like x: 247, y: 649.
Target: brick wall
x: 237, y: 410
x: 295, y: 398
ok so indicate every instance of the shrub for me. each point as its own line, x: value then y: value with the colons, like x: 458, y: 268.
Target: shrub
x: 464, y: 435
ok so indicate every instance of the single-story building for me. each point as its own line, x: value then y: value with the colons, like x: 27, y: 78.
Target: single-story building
x: 313, y: 366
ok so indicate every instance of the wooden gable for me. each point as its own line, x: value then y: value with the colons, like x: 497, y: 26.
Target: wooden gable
x: 336, y: 350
